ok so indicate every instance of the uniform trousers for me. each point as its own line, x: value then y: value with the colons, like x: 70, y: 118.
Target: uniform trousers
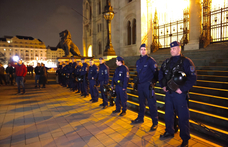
x: 103, y: 95
x: 84, y: 86
x: 177, y: 102
x: 144, y: 93
x: 121, y: 98
x: 93, y: 90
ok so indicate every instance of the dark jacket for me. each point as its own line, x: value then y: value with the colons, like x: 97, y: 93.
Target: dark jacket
x: 10, y: 70
x: 37, y: 70
x: 2, y: 70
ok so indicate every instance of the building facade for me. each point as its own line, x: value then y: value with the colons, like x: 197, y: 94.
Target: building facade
x: 53, y: 53
x: 194, y: 23
x: 26, y: 48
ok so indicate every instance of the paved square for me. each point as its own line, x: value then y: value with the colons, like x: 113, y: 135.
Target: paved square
x: 57, y: 117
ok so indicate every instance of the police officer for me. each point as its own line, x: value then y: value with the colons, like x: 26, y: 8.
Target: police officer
x: 92, y: 76
x: 73, y: 84
x: 67, y: 70
x: 103, y: 79
x: 120, y: 79
x: 147, y: 71
x: 84, y: 74
x: 77, y: 74
x: 176, y: 98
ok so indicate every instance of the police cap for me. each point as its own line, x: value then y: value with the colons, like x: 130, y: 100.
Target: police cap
x: 175, y: 43
x: 120, y: 58
x: 143, y: 45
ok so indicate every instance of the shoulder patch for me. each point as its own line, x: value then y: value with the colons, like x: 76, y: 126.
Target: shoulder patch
x: 192, y: 68
x: 155, y: 65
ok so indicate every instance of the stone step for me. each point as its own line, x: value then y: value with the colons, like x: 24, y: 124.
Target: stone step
x: 198, y: 105
x: 213, y: 84
x: 205, y: 117
x: 207, y: 129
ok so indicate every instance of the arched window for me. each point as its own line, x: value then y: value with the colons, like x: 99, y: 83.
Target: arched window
x: 134, y: 32
x: 99, y: 7
x: 99, y: 47
x: 129, y: 33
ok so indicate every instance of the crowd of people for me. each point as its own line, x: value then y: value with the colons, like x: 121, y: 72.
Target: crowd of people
x: 176, y: 77
x: 16, y: 72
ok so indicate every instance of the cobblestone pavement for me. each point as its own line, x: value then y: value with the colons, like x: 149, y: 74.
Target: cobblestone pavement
x: 56, y: 117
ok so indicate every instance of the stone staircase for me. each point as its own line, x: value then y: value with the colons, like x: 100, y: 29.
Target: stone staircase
x: 208, y: 102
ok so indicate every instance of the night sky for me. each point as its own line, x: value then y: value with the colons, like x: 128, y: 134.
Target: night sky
x: 42, y: 19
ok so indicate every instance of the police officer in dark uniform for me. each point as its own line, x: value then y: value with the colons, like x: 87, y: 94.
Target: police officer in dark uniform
x: 77, y: 74
x: 68, y: 71
x: 120, y: 79
x: 103, y: 79
x: 176, y: 89
x: 147, y: 71
x: 92, y: 76
x: 84, y: 74
x: 73, y: 84
x: 63, y: 73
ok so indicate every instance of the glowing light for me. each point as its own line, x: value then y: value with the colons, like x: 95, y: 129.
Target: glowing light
x: 15, y: 58
x: 90, y: 52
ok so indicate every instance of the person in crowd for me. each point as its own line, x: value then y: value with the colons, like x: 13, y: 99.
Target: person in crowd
x: 37, y: 76
x: 103, y: 79
x: 2, y: 75
x: 120, y: 79
x: 43, y: 75
x: 10, y: 74
x: 176, y: 77
x: 147, y: 71
x: 92, y: 77
x: 84, y: 74
x: 21, y: 71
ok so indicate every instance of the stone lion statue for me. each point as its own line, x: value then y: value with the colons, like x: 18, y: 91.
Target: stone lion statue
x: 67, y: 45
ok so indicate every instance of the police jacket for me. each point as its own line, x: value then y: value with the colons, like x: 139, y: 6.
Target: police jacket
x: 77, y: 71
x: 146, y: 68
x: 37, y: 70
x: 84, y: 69
x: 187, y: 67
x: 121, y: 76
x: 93, y: 72
x: 103, y: 74
x: 59, y: 69
x: 74, y: 64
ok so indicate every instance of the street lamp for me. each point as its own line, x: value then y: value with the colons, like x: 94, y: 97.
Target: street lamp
x: 108, y: 15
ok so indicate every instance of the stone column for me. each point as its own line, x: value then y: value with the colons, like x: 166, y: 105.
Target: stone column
x: 194, y: 25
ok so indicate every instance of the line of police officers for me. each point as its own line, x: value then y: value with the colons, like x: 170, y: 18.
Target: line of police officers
x: 176, y: 77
